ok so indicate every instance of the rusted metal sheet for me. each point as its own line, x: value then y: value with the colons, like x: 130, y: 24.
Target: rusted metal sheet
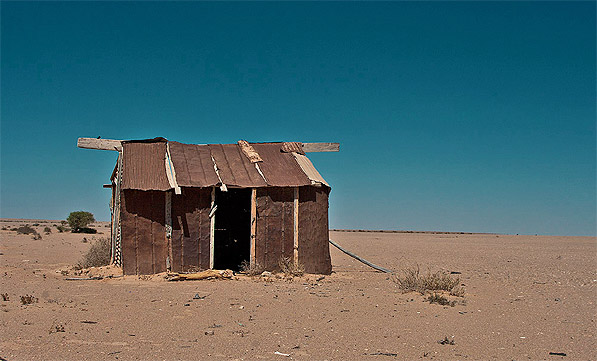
x: 190, y: 229
x: 193, y: 164
x: 143, y: 244
x: 280, y: 169
x: 144, y: 167
x: 314, y: 250
x: 275, y: 228
x: 234, y: 167
x: 309, y: 169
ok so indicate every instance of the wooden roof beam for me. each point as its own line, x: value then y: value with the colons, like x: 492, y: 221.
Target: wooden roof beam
x: 101, y: 144
x: 321, y: 147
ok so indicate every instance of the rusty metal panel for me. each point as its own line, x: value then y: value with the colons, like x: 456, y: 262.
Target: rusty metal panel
x: 144, y: 166
x: 274, y: 228
x: 128, y: 235
x: 193, y: 165
x: 158, y: 231
x: 234, y: 167
x: 280, y: 169
x: 314, y: 250
x: 190, y: 229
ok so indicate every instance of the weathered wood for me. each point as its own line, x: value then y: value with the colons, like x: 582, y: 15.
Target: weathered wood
x: 249, y: 151
x: 296, y: 225
x: 203, y: 275
x: 168, y: 227
x: 212, y: 229
x: 101, y: 144
x: 253, y: 224
x: 379, y: 268
x: 321, y: 147
x: 108, y: 185
x: 170, y: 171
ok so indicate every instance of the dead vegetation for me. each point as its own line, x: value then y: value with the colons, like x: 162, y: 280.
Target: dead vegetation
x: 26, y: 229
x: 5, y: 297
x: 249, y: 269
x: 412, y: 280
x: 440, y: 299
x: 290, y: 268
x: 28, y: 299
x: 97, y: 256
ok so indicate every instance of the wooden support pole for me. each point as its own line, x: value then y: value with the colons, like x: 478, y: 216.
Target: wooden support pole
x: 253, y: 225
x: 296, y: 226
x: 168, y: 221
x: 212, y: 229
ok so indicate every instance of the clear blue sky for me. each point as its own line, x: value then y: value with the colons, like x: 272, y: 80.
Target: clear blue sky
x: 472, y: 116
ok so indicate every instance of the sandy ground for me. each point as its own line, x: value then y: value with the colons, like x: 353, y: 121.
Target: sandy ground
x: 526, y: 296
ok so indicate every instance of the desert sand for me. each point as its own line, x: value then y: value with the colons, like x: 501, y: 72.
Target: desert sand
x: 526, y: 296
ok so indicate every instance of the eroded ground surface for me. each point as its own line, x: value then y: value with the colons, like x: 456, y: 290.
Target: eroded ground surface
x: 526, y: 296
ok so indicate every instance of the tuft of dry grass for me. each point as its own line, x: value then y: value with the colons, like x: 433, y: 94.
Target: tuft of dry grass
x: 28, y: 299
x: 289, y: 268
x: 440, y: 300
x: 249, y: 269
x: 411, y: 279
x: 98, y: 255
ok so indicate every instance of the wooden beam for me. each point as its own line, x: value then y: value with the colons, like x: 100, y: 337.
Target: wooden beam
x: 101, y: 144
x: 321, y: 147
x: 253, y: 225
x: 212, y: 229
x: 296, y: 226
x: 108, y: 185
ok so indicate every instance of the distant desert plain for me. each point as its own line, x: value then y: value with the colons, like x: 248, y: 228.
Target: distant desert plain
x: 525, y: 298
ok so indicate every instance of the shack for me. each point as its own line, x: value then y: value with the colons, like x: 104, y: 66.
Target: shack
x: 182, y: 207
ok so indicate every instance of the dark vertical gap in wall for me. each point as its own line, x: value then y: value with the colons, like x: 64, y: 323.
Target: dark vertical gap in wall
x: 232, y: 229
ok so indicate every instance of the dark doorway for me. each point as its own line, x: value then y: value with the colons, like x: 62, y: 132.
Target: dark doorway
x: 232, y: 236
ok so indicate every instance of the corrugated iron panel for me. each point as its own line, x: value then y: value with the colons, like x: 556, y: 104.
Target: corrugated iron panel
x: 234, y: 167
x: 309, y: 169
x: 193, y: 165
x: 280, y: 169
x: 144, y: 167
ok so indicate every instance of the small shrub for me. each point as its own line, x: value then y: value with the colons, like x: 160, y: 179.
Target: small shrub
x: 457, y: 291
x: 35, y: 224
x: 47, y: 230
x: 36, y: 236
x: 79, y: 219
x: 28, y: 299
x: 250, y: 270
x: 5, y: 228
x: 289, y: 268
x: 98, y: 255
x: 440, y: 300
x: 411, y: 279
x: 61, y: 228
x: 85, y: 230
x: 25, y: 230
x: 5, y: 297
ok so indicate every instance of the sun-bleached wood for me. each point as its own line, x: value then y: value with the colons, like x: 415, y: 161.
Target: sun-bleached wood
x: 101, y: 144
x: 321, y: 147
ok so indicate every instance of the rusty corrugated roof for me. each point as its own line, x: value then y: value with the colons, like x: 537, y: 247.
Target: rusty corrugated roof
x: 145, y: 166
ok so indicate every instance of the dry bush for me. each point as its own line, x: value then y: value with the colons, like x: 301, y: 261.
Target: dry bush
x: 25, y: 230
x: 249, y: 269
x: 28, y: 299
x: 5, y: 297
x: 289, y: 268
x: 98, y: 255
x: 411, y: 279
x: 36, y: 236
x: 47, y: 230
x: 440, y: 300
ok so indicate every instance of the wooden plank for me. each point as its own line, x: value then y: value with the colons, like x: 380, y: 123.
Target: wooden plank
x: 100, y: 144
x: 253, y: 224
x: 296, y: 225
x: 168, y: 233
x: 321, y: 147
x: 212, y: 229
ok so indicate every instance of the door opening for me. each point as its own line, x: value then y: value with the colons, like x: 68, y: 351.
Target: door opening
x: 232, y: 237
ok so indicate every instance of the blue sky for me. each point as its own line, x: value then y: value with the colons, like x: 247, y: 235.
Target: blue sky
x: 472, y: 116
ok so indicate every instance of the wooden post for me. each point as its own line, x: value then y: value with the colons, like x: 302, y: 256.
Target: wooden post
x: 212, y: 229
x: 169, y: 230
x: 296, y: 226
x: 253, y: 225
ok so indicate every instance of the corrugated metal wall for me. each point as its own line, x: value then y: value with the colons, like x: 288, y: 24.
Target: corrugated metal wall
x: 190, y: 229
x: 274, y: 233
x: 314, y: 249
x: 144, y: 247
